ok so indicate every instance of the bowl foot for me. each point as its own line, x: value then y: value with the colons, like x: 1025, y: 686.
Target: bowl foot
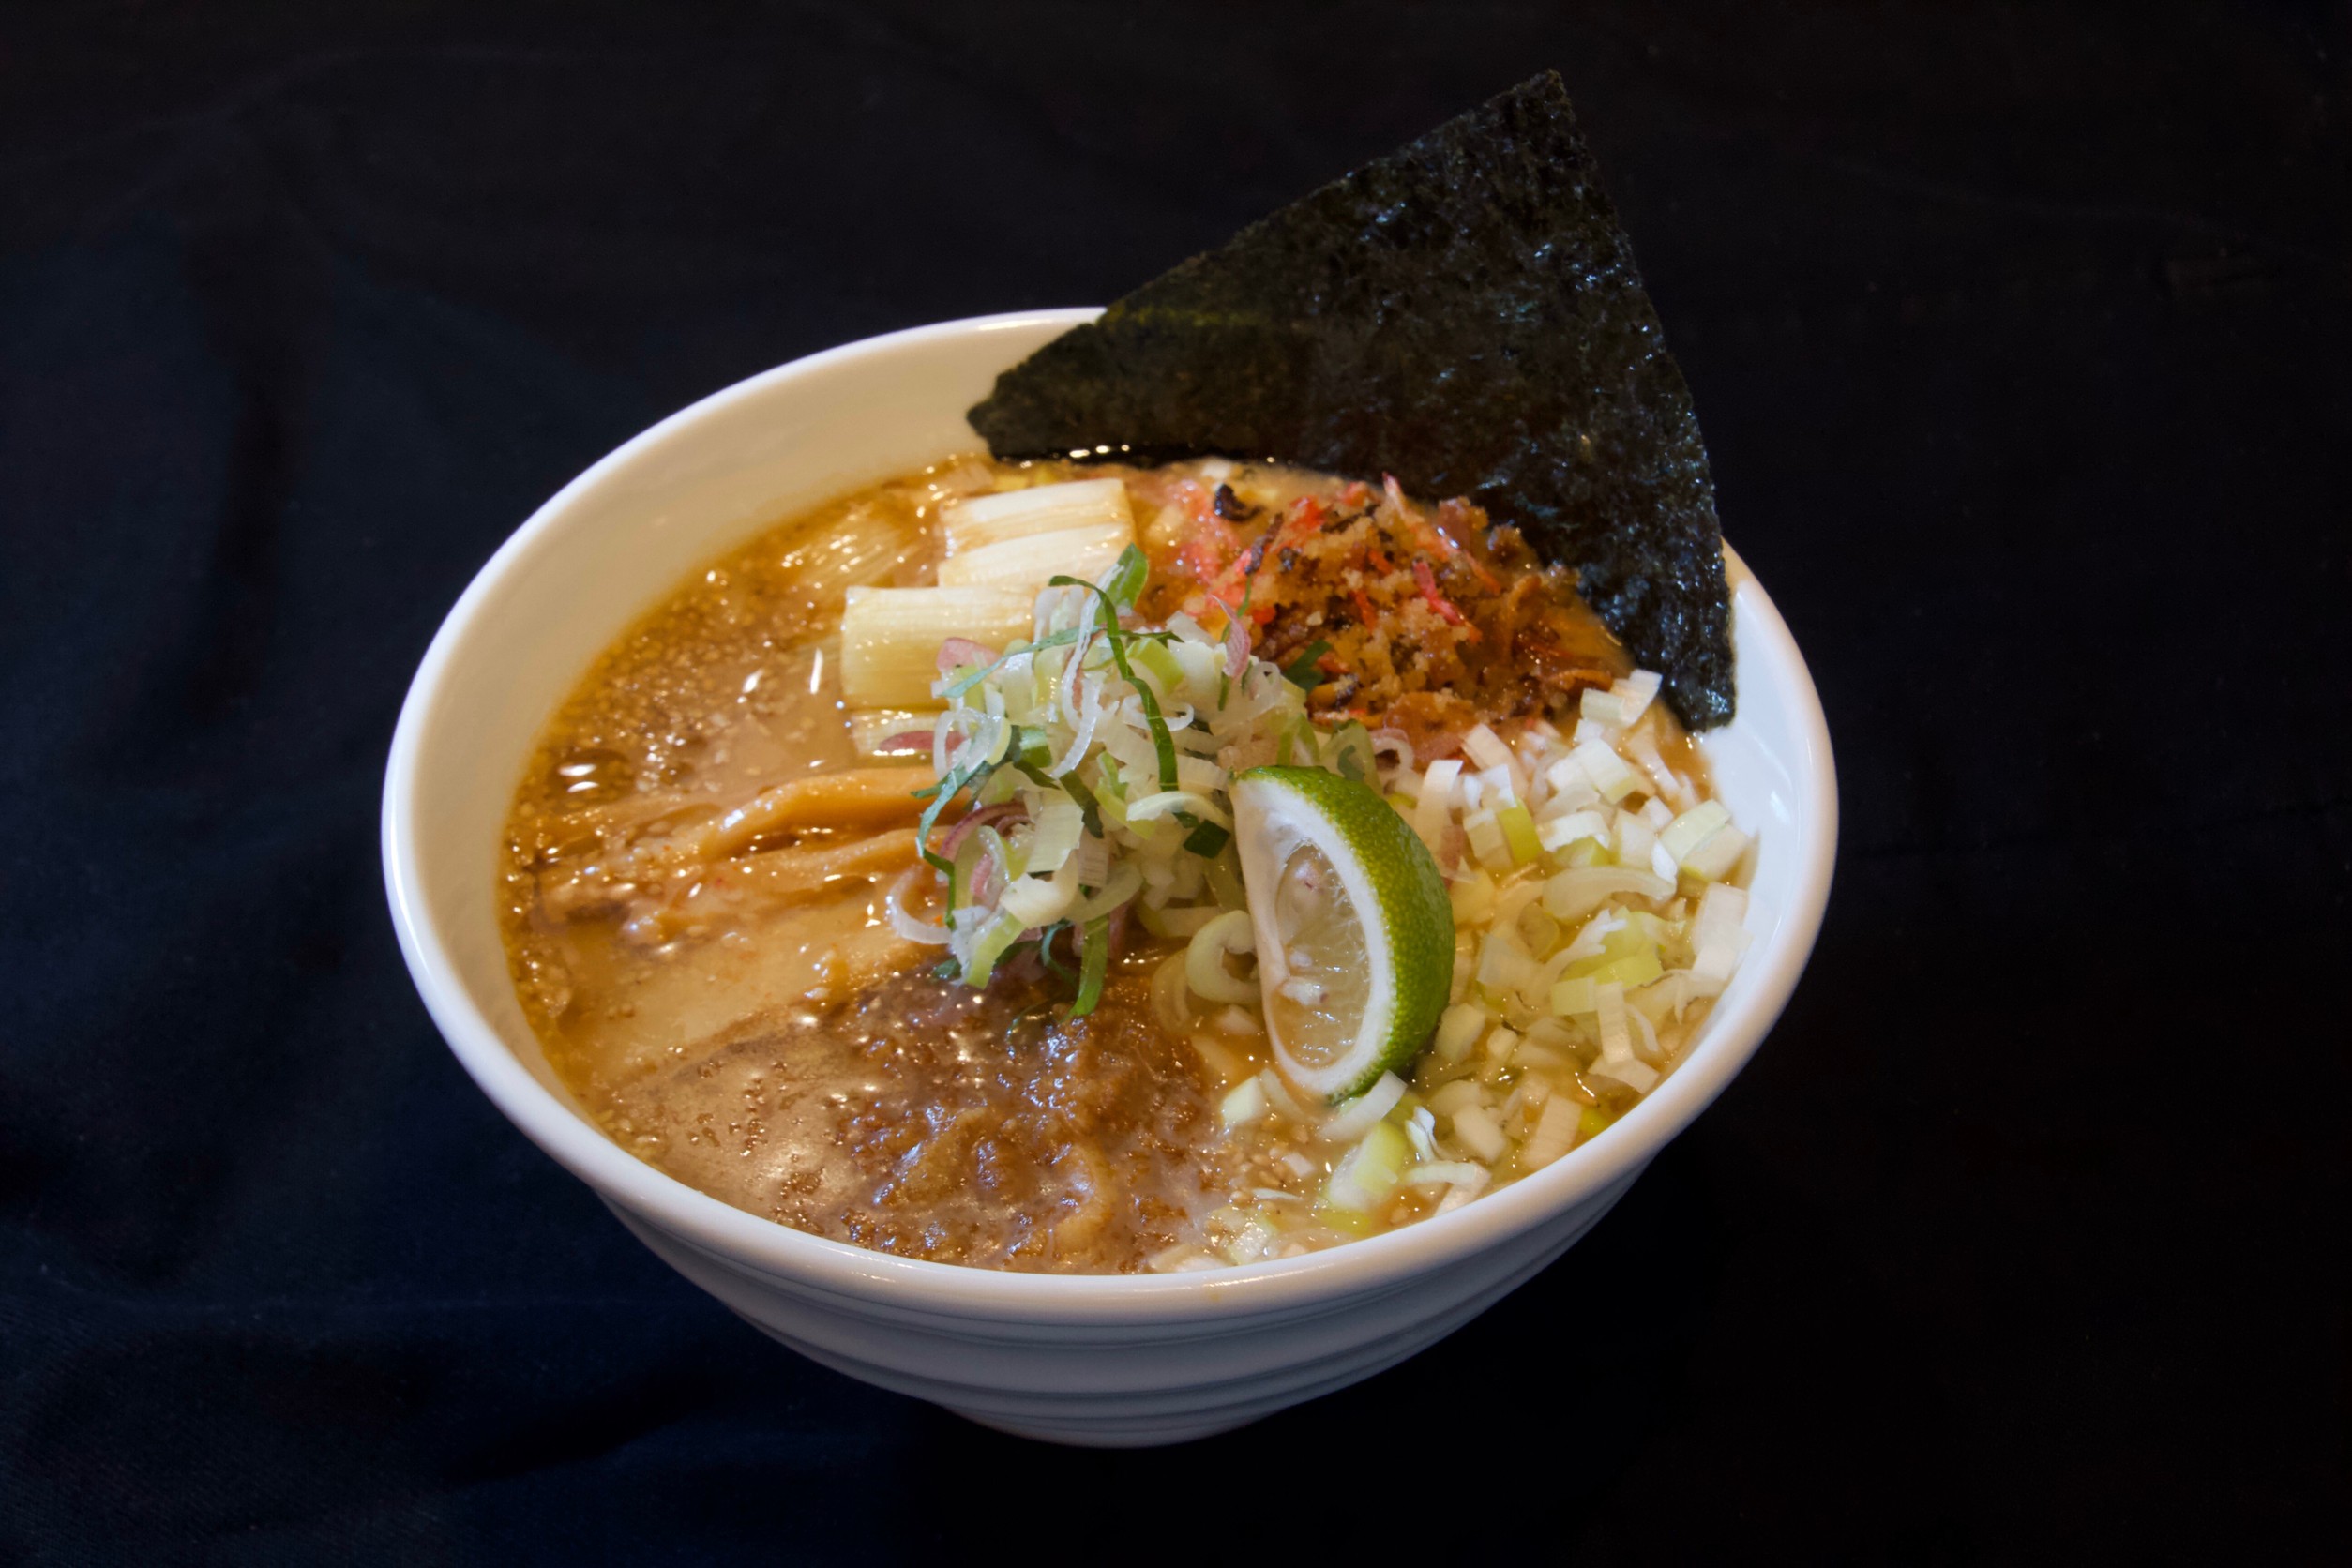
x: 1140, y: 1434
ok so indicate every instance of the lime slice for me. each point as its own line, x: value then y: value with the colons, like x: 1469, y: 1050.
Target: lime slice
x: 1355, y: 935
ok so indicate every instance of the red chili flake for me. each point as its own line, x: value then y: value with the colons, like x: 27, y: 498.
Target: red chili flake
x: 1364, y: 612
x: 1306, y: 520
x: 1438, y: 602
x: 1380, y: 562
x: 1331, y: 664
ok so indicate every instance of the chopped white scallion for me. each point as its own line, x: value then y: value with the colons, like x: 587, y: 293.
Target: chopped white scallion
x: 1354, y: 1117
x: 1557, y: 832
x: 1634, y: 694
x: 1239, y: 1022
x: 1486, y: 750
x: 1608, y: 1017
x: 1572, y: 894
x: 1204, y: 959
x: 1162, y: 802
x: 1278, y: 1096
x: 1198, y: 774
x: 1503, y: 963
x: 1433, y: 813
x: 1608, y: 771
x: 1719, y: 856
x: 1475, y: 1128
x: 1645, y: 1036
x: 1486, y: 840
x: 1054, y: 832
x: 928, y: 932
x: 1634, y: 839
x: 1368, y: 1172
x: 1555, y: 1132
x: 1719, y: 933
x: 1630, y: 1073
x: 1244, y: 1106
x: 1421, y: 1131
x: 1458, y: 1029
x: 1036, y: 901
x: 1567, y: 777
x: 1668, y: 783
x: 1693, y: 828
x: 1454, y: 1096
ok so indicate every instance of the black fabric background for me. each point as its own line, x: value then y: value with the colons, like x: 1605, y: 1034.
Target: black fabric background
x: 2021, y: 340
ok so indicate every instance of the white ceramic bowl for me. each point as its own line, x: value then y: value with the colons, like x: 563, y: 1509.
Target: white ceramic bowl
x: 1086, y: 1359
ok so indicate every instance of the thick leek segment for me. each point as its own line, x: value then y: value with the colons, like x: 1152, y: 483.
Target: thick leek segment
x: 991, y: 520
x: 1033, y: 560
x: 891, y: 638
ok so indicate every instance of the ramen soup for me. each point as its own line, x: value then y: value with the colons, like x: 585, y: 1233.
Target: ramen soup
x: 1112, y: 870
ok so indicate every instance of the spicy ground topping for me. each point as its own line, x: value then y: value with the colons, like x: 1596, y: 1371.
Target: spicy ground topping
x: 1388, y: 613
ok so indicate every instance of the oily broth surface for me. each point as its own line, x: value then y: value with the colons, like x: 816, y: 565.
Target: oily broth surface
x: 792, y: 1056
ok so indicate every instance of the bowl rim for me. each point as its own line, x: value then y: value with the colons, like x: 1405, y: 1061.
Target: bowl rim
x: 767, y: 1249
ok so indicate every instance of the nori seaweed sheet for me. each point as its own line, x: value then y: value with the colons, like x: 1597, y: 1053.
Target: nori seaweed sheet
x: 1463, y: 313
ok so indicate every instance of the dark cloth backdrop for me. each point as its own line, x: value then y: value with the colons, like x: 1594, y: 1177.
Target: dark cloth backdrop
x: 2020, y: 342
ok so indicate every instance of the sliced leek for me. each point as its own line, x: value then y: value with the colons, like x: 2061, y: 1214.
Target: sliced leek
x: 989, y: 520
x: 891, y: 637
x: 1029, y: 562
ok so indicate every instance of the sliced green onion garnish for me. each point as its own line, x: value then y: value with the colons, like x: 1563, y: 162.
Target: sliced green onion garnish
x: 1518, y: 833
x: 1302, y: 670
x: 1207, y: 839
x: 1163, y: 744
x: 1155, y: 658
x: 1093, y: 962
x: 1045, y: 948
x: 1127, y: 577
x: 974, y: 674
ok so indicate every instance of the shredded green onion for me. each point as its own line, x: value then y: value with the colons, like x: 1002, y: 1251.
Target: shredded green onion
x: 1093, y: 962
x: 1304, y: 670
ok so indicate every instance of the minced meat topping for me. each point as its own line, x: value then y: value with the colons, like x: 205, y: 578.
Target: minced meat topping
x: 1425, y: 624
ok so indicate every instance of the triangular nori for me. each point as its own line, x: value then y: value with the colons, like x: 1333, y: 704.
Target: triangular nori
x: 1463, y: 313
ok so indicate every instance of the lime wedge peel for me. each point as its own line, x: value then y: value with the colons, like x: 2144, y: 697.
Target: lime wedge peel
x: 1365, y: 908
